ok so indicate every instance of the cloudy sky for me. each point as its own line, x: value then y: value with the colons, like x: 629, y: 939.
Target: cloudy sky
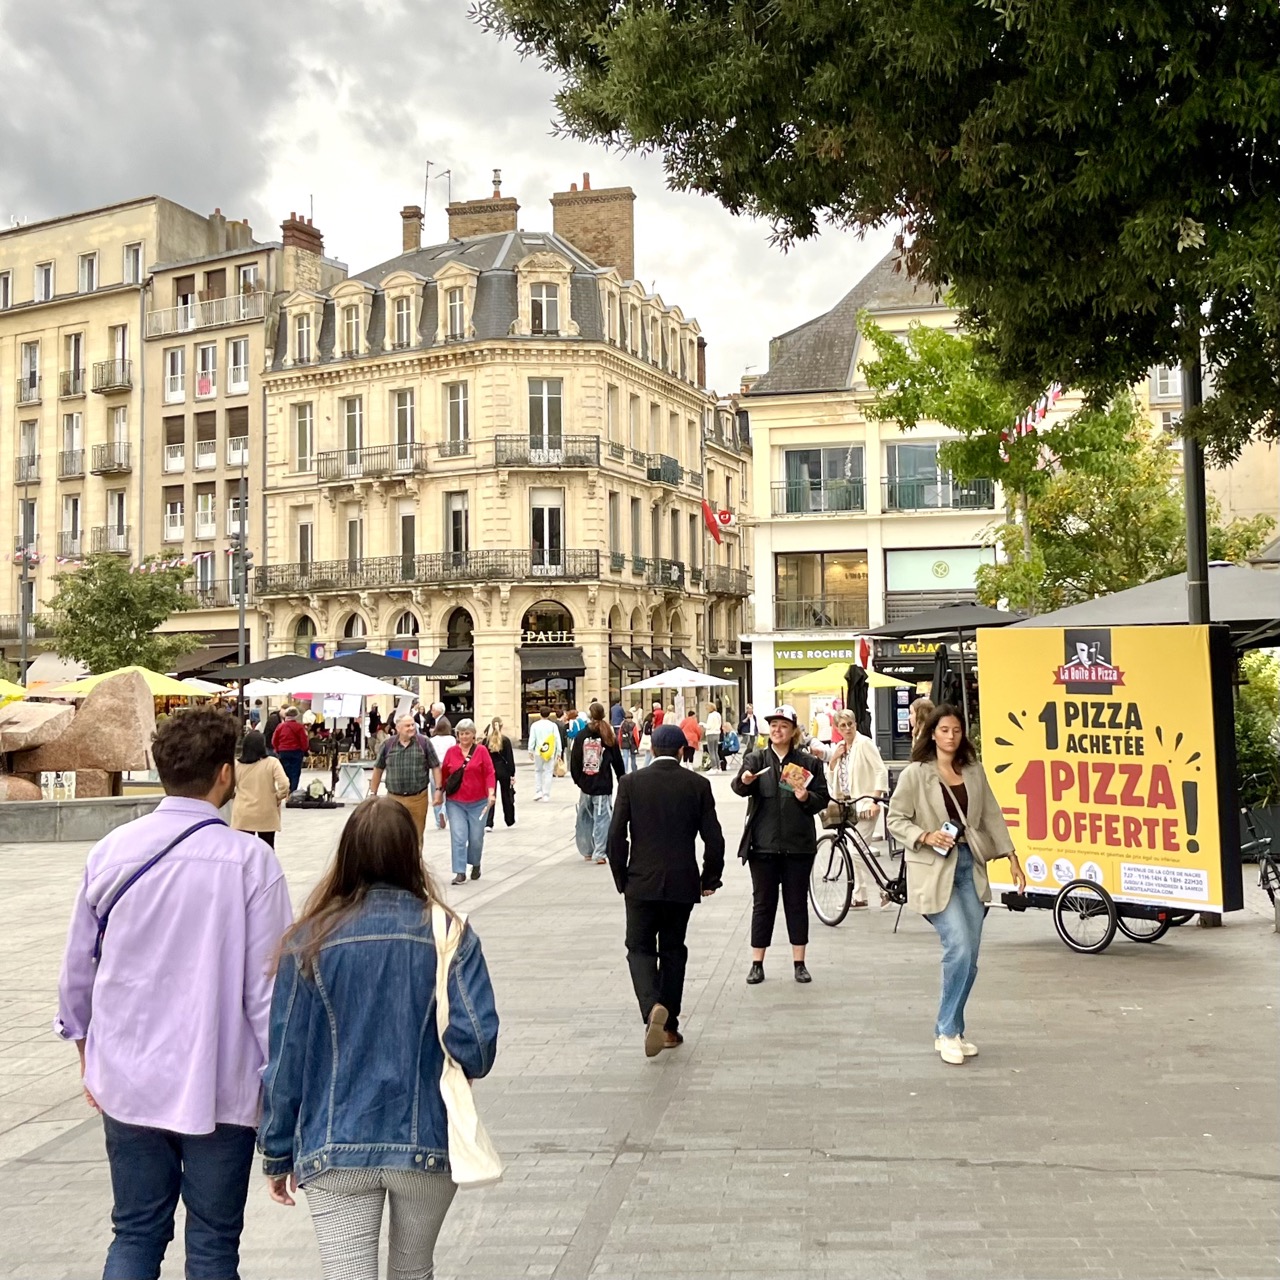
x: 262, y: 108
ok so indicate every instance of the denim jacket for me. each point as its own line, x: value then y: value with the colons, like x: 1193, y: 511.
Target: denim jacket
x: 353, y: 1080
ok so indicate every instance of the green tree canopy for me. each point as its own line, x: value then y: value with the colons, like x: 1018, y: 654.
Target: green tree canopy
x: 105, y: 616
x: 1096, y: 184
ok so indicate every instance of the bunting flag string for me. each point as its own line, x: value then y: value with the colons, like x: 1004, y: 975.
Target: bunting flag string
x: 1030, y: 417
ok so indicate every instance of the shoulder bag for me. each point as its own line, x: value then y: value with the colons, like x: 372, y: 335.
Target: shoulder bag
x: 453, y: 782
x: 473, y: 1162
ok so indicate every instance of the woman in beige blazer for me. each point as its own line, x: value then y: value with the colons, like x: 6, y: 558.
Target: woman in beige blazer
x: 950, y: 826
x: 261, y: 788
x: 855, y: 768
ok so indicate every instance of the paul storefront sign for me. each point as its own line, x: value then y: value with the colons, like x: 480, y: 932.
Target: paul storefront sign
x: 1111, y: 753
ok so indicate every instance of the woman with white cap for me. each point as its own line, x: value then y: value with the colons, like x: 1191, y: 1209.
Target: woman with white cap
x: 779, y: 842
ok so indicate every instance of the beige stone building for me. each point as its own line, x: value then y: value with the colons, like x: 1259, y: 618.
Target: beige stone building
x: 493, y: 454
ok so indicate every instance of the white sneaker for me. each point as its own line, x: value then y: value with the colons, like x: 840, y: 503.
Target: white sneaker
x: 950, y: 1047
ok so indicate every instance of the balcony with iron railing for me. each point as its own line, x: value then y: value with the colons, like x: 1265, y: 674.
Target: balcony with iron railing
x: 724, y: 581
x: 29, y: 389
x: 113, y: 375
x: 175, y: 526
x: 616, y: 452
x: 664, y: 573
x: 38, y: 624
x: 221, y: 593
x: 546, y: 451
x: 206, y: 381
x: 209, y: 314
x: 455, y: 448
x: 206, y: 458
x: 693, y: 479
x: 70, y: 464
x: 617, y: 561
x: 938, y: 495
x: 663, y: 468
x: 496, y: 565
x: 111, y: 537
x: 70, y: 543
x: 175, y: 457
x: 818, y: 497
x: 71, y: 383
x: 814, y: 613
x: 338, y: 466
x: 206, y: 525
x: 237, y: 379
x: 237, y: 451
x: 109, y: 459
x: 26, y: 468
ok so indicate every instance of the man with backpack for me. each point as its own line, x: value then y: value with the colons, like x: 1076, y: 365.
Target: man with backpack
x: 544, y: 751
x: 595, y: 752
x: 411, y: 765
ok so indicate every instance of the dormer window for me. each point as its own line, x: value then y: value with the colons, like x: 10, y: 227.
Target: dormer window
x: 402, y: 320
x: 653, y: 341
x: 302, y: 338
x: 544, y: 308
x: 455, y: 309
x: 350, y: 331
x: 633, y: 328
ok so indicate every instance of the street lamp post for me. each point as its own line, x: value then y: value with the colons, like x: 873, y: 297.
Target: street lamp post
x: 243, y: 559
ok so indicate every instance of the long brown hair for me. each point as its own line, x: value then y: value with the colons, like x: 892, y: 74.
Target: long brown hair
x: 595, y: 715
x: 379, y: 845
x: 924, y: 748
x: 495, y: 737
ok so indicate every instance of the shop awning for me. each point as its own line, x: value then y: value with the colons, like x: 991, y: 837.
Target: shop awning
x: 542, y: 661
x: 681, y: 659
x: 660, y: 661
x: 449, y: 663
x: 639, y: 658
x: 204, y: 658
x: 618, y: 658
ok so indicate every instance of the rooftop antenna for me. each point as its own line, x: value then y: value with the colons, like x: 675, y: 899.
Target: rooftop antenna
x: 311, y: 217
x: 444, y: 173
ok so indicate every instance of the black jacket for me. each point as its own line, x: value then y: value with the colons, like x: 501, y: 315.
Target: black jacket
x: 664, y: 808
x: 599, y: 784
x: 776, y: 821
x: 504, y: 759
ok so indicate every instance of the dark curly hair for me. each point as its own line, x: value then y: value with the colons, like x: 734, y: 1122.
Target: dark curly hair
x: 189, y: 749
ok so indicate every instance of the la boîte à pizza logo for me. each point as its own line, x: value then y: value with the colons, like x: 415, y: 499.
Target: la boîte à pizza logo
x: 1087, y: 665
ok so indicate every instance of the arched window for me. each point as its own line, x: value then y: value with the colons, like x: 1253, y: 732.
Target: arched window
x: 547, y: 622
x: 355, y: 627
x: 407, y: 623
x: 460, y: 630
x: 305, y: 627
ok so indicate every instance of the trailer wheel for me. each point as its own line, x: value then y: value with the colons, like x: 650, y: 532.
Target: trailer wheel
x: 1085, y: 917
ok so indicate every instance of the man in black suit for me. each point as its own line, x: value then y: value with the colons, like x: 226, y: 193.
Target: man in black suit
x: 662, y: 809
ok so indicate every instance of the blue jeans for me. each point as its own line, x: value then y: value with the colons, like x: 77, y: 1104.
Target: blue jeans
x: 628, y: 760
x: 591, y: 830
x: 959, y: 925
x: 466, y: 832
x: 150, y: 1169
x: 291, y: 763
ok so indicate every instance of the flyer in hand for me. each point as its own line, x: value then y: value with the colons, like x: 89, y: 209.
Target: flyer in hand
x: 794, y: 777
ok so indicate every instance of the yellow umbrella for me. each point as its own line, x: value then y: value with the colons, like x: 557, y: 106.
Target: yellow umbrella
x: 160, y: 686
x: 9, y: 690
x: 831, y: 679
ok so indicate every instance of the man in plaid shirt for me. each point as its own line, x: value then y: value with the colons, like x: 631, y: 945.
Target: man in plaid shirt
x: 409, y: 763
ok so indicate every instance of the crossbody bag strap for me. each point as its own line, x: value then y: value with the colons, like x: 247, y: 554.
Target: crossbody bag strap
x: 142, y: 871
x: 959, y: 815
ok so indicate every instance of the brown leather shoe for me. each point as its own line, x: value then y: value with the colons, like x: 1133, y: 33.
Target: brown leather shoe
x: 673, y: 1040
x: 655, y: 1032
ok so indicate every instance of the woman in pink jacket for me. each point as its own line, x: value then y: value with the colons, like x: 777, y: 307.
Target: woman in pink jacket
x: 469, y: 782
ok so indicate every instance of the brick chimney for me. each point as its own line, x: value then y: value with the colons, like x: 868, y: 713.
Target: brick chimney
x: 483, y: 217
x: 702, y: 361
x: 601, y: 224
x: 303, y: 249
x: 411, y: 220
x: 300, y: 233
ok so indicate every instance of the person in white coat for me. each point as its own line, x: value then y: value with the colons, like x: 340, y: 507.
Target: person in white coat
x: 855, y: 769
x: 712, y: 728
x: 544, y: 750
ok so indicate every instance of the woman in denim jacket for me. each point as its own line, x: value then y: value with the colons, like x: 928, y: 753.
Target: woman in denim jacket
x: 352, y: 1110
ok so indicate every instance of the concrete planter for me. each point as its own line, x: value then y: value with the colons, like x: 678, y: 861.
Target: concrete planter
x: 49, y: 821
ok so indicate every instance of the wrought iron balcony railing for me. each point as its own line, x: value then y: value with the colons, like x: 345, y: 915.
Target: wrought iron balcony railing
x: 810, y: 613
x: 723, y: 581
x: 546, y: 451
x: 70, y: 464
x: 206, y: 315
x: 222, y: 593
x: 113, y: 375
x: 815, y: 497
x: 109, y: 458
x: 29, y: 389
x: 338, y: 466
x: 71, y: 383
x: 939, y: 495
x: 664, y: 573
x: 38, y: 624
x: 70, y: 544
x: 26, y: 468
x: 663, y: 468
x: 112, y: 537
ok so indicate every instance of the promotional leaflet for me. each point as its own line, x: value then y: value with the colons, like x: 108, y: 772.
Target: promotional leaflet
x: 1110, y: 752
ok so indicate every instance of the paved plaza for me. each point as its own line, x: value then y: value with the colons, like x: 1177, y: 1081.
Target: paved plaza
x: 1121, y: 1120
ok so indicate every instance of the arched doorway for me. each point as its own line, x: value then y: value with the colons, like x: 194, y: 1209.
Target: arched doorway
x: 550, y: 663
x: 454, y: 667
x: 304, y: 636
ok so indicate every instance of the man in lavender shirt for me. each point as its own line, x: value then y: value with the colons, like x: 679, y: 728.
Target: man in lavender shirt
x: 171, y: 1021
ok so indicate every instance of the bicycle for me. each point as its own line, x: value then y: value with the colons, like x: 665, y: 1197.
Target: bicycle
x: 831, y: 880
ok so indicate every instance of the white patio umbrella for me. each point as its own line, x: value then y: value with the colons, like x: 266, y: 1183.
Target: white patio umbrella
x: 335, y: 681
x: 203, y: 686
x: 681, y: 678
x: 262, y: 688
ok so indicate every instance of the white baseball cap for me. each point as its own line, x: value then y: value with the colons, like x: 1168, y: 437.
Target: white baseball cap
x: 784, y: 712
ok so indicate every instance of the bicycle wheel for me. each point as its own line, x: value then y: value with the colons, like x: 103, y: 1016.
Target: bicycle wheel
x: 1142, y: 928
x: 1269, y: 876
x: 831, y: 881
x: 1085, y: 917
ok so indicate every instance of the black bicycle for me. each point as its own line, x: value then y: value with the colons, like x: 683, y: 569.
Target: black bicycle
x: 831, y: 880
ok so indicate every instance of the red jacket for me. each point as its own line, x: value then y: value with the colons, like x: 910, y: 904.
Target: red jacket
x: 478, y: 780
x: 290, y: 736
x: 692, y: 729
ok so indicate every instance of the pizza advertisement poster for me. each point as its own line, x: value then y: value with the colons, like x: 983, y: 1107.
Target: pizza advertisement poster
x: 1111, y: 753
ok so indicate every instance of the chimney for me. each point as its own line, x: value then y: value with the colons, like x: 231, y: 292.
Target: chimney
x: 217, y: 231
x: 411, y: 220
x: 702, y: 361
x: 483, y: 217
x: 599, y: 223
x: 300, y: 233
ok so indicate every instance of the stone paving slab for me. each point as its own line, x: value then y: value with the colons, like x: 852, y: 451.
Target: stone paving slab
x: 1120, y: 1121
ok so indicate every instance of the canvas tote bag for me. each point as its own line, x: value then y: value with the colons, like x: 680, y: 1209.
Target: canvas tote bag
x: 472, y: 1159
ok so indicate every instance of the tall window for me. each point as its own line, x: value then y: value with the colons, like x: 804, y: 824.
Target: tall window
x: 132, y: 273
x: 615, y: 523
x: 118, y: 336
x: 206, y: 370
x: 544, y: 308
x: 247, y: 277
x: 302, y: 338
x: 403, y: 409
x: 611, y: 412
x: 821, y: 589
x: 353, y: 428
x: 637, y: 527
x: 351, y: 331
x: 695, y: 537
x: 403, y: 316
x: 6, y: 290
x: 88, y: 272
x: 44, y: 282
x: 634, y: 330
x: 120, y: 424
x: 457, y: 413
x: 355, y: 539
x: 1167, y: 382
x: 27, y: 522
x: 71, y: 517
x: 622, y: 323
x: 545, y: 413
x: 457, y: 530
x: 675, y: 535
x: 633, y: 422
x: 304, y: 437
x: 238, y: 364
x: 546, y: 529
x: 454, y: 308
x: 914, y: 479
x: 822, y: 480
x: 306, y: 542
x: 72, y: 432
x: 175, y: 375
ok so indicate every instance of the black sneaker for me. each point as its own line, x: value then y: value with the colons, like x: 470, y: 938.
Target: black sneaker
x: 756, y: 973
x: 803, y: 974
x: 459, y: 879
x: 475, y: 873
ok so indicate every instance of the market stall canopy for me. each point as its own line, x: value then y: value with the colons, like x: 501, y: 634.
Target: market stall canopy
x: 285, y: 667
x: 450, y: 663
x: 1247, y: 600
x: 262, y: 689
x: 10, y: 690
x: 160, y: 686
x: 831, y: 679
x: 379, y: 665
x: 335, y: 681
x: 681, y: 678
x: 551, y: 661
x: 947, y: 619
x: 204, y: 686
